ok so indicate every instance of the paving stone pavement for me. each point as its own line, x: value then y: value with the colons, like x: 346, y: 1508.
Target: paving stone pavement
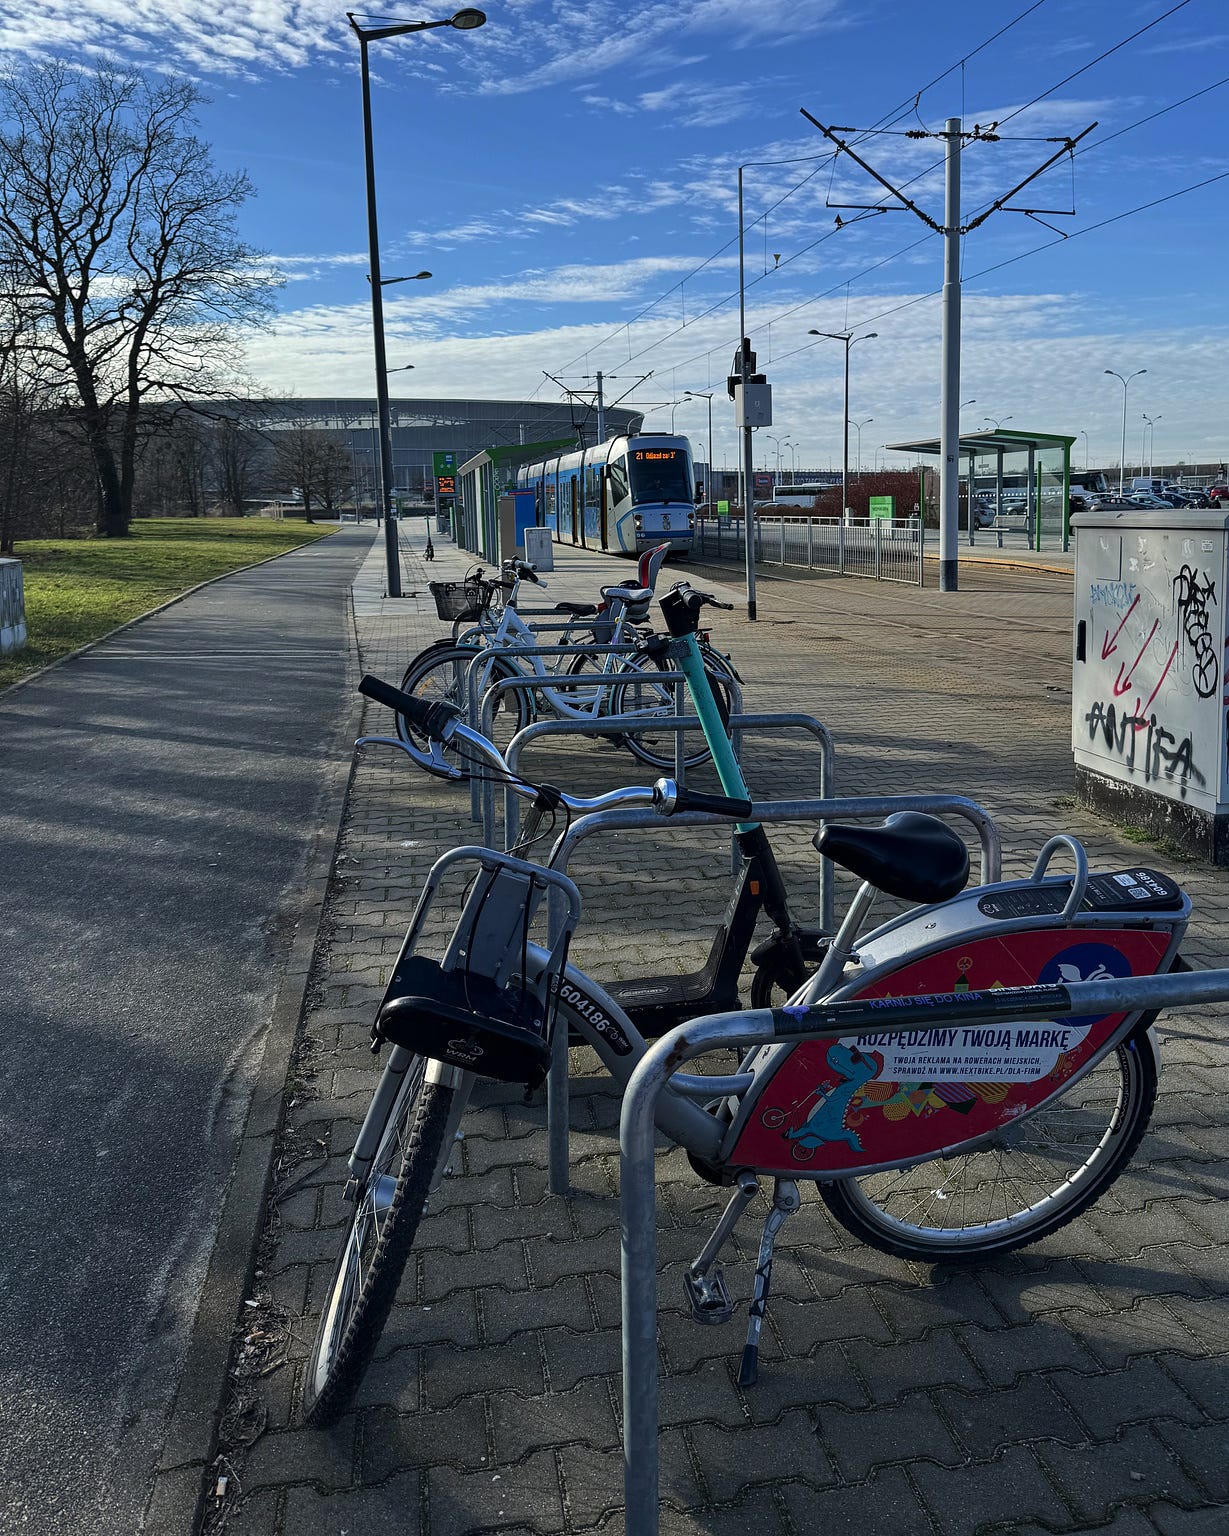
x: 1080, y: 1385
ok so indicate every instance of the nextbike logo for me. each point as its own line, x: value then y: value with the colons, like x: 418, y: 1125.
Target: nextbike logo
x: 606, y: 1027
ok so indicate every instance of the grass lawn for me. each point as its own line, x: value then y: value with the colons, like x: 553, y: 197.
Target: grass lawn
x: 78, y: 589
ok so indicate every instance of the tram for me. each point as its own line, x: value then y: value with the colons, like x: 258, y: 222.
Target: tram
x: 625, y: 495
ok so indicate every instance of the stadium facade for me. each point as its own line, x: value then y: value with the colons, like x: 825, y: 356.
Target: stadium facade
x: 424, y: 427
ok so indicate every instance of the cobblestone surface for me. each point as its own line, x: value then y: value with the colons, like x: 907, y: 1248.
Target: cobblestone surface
x: 1079, y: 1386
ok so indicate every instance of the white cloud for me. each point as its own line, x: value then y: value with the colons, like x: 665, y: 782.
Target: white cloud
x: 1038, y: 358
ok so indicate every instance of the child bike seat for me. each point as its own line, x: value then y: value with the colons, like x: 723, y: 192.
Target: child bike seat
x: 911, y: 856
x: 631, y: 596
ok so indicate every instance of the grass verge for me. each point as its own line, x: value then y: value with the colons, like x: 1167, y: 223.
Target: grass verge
x: 78, y: 589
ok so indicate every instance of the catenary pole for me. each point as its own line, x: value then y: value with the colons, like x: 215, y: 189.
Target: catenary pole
x: 949, y: 396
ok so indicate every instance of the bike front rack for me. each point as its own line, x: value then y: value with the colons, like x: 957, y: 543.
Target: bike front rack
x: 854, y: 808
x: 637, y: 1166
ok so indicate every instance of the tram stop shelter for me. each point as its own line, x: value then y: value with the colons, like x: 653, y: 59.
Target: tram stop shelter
x: 1022, y: 478
x: 482, y: 480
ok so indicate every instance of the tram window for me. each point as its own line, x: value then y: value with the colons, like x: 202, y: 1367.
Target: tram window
x: 660, y: 474
x: 617, y: 471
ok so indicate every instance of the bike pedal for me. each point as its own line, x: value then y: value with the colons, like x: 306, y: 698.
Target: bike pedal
x: 710, y: 1301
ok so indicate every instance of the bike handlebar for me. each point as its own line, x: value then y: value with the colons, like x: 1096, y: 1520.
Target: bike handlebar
x: 431, y: 720
x: 681, y: 608
x: 523, y: 571
x: 670, y: 798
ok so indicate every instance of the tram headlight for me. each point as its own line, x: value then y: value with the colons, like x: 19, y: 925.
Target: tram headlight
x: 691, y: 521
x: 638, y: 522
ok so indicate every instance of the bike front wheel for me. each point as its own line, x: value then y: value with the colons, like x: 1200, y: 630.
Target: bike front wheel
x: 639, y: 690
x: 439, y: 675
x: 376, y: 1243
x: 1031, y: 1178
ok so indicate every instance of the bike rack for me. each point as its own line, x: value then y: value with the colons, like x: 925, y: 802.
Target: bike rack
x: 832, y: 1021
x: 854, y: 808
x: 480, y: 796
x: 612, y: 726
x: 472, y: 706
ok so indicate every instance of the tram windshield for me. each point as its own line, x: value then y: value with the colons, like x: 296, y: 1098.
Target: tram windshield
x: 660, y: 474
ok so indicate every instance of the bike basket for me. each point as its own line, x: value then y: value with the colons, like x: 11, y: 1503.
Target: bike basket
x: 467, y: 1020
x: 460, y: 599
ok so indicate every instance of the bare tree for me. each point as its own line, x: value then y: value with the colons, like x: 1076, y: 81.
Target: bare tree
x: 313, y: 462
x: 239, y: 447
x: 122, y: 235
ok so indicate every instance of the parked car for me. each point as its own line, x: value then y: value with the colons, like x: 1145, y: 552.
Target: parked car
x: 1146, y: 499
x: 1217, y: 494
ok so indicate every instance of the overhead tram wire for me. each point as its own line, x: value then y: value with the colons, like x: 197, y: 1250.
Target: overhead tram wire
x: 1085, y: 67
x: 876, y: 266
x: 862, y: 134
x: 708, y: 260
x: 879, y: 127
x: 901, y: 110
x: 1046, y: 245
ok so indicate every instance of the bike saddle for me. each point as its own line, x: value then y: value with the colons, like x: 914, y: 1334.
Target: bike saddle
x: 911, y: 856
x: 581, y: 610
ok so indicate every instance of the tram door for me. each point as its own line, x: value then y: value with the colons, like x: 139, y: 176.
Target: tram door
x: 578, y: 517
x: 608, y: 533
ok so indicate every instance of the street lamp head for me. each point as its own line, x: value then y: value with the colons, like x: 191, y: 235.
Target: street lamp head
x: 468, y: 19
x: 405, y: 368
x: 414, y: 277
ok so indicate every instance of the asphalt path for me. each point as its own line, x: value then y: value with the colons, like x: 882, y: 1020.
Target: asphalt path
x: 157, y: 800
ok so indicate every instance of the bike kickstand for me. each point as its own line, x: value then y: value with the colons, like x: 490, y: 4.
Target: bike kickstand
x: 785, y: 1201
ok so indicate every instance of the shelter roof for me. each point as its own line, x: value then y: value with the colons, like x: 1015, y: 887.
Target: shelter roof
x: 988, y: 442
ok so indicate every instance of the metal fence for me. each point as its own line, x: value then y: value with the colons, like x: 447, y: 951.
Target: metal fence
x: 879, y: 548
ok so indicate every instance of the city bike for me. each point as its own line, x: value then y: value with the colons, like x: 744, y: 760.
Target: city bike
x: 584, y: 684
x: 934, y: 1144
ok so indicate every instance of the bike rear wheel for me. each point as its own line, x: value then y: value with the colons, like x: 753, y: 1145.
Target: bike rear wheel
x: 1030, y: 1179
x: 376, y: 1243
x: 640, y: 691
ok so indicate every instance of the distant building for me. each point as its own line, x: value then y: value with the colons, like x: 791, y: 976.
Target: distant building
x: 421, y: 428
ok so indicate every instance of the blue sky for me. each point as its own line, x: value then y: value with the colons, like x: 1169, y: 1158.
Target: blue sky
x: 568, y: 174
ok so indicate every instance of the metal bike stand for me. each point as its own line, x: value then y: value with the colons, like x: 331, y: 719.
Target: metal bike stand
x: 738, y: 723
x: 859, y: 808
x: 637, y: 1169
x: 484, y: 797
x: 485, y: 653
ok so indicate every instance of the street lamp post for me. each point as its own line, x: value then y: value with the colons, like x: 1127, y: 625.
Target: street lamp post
x: 464, y: 21
x: 776, y: 440
x: 696, y: 394
x: 849, y: 340
x: 1149, y: 442
x: 1087, y: 459
x: 793, y: 463
x: 1122, y: 463
x: 858, y: 425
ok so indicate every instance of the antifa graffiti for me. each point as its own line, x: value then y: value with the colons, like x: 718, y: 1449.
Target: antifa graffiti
x: 1191, y: 597
x: 1162, y: 755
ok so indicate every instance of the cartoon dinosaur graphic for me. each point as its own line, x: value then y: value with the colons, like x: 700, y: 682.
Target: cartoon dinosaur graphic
x: 827, y: 1121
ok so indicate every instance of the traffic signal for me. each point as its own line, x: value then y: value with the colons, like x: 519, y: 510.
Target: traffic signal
x: 736, y: 377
